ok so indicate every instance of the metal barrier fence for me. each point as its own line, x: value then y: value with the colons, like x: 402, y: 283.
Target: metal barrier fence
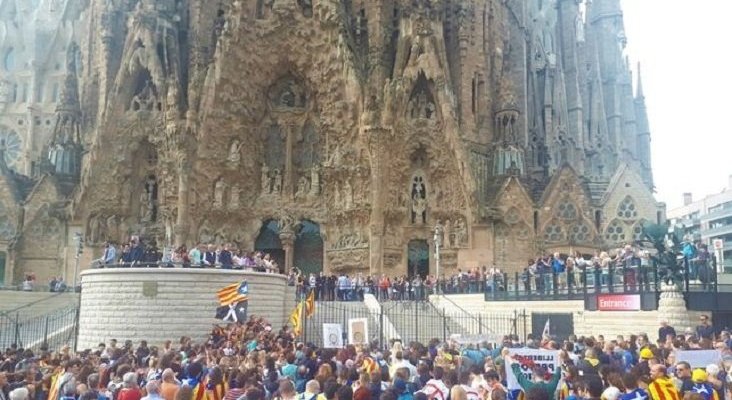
x: 408, y: 321
x: 51, y: 331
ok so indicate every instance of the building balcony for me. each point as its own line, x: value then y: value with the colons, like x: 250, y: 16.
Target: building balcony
x: 723, y: 213
x: 718, y: 231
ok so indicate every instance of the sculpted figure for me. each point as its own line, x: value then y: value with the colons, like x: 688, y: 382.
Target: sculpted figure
x: 234, y: 153
x: 219, y: 194
x: 315, y: 180
x: 277, y: 181
x: 266, y: 188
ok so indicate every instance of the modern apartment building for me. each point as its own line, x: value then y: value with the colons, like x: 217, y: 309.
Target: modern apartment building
x: 709, y: 220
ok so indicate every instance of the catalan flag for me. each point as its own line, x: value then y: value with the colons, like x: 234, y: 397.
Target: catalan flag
x: 310, y: 304
x: 234, y: 293
x: 296, y: 319
x: 369, y: 365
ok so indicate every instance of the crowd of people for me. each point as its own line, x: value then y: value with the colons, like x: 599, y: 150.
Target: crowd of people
x: 253, y: 361
x: 226, y: 256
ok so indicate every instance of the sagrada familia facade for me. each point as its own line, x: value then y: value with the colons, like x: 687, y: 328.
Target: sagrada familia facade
x: 334, y: 134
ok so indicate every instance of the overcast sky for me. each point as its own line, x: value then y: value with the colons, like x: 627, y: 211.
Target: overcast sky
x: 683, y: 48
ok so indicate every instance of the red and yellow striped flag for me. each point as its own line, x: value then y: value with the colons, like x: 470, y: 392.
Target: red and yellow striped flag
x: 296, y: 320
x: 233, y: 293
x: 310, y: 304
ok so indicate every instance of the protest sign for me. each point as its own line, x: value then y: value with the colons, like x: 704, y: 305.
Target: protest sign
x: 698, y: 358
x: 527, y: 359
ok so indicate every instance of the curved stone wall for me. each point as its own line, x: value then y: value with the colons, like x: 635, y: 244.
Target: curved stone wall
x: 161, y: 304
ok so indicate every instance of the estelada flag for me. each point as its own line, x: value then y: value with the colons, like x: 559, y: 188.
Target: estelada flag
x: 234, y: 293
x: 310, y: 304
x: 295, y: 319
x: 369, y: 365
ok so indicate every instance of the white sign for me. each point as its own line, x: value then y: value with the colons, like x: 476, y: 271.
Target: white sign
x: 698, y: 358
x: 718, y: 244
x: 475, y: 339
x: 358, y: 331
x: 332, y: 336
x: 527, y: 359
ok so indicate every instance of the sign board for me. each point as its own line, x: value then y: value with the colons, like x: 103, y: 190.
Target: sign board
x: 527, y: 359
x: 618, y: 302
x: 332, y: 336
x: 476, y: 339
x: 358, y: 332
x: 718, y: 244
x: 698, y: 358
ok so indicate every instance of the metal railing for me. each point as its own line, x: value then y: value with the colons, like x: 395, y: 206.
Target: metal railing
x: 51, y: 331
x: 414, y: 321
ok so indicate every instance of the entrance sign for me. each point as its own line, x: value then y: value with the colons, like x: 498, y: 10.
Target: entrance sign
x: 618, y: 302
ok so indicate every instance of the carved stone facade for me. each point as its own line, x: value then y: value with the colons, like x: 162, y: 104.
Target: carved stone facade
x: 337, y: 134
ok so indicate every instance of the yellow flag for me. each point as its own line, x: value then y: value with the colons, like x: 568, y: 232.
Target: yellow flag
x: 295, y: 319
x: 310, y: 304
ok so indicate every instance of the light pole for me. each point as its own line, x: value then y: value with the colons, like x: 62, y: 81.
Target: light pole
x: 79, y: 249
x: 438, y: 233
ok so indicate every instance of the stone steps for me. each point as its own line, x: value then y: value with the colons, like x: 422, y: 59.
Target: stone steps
x: 31, y: 304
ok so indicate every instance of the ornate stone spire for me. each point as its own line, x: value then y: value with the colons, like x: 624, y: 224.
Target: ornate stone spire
x: 65, y: 150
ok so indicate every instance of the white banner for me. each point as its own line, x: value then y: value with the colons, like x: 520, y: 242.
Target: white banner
x: 527, y: 358
x: 332, y: 336
x: 698, y: 358
x: 358, y: 331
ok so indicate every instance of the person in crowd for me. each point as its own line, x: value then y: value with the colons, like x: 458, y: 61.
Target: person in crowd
x: 661, y: 386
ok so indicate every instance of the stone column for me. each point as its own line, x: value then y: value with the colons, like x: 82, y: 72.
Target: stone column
x: 288, y: 244
x: 287, y: 180
x: 672, y: 306
x: 375, y: 136
x: 181, y: 222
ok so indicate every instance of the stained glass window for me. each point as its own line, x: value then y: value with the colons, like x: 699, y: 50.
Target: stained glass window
x: 567, y: 210
x: 579, y: 233
x: 13, y: 146
x: 615, y: 232
x: 553, y: 232
x: 627, y: 209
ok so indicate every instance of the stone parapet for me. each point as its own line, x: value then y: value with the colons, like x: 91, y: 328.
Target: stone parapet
x: 165, y: 304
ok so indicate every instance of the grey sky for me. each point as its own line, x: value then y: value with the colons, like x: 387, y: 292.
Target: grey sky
x: 682, y: 47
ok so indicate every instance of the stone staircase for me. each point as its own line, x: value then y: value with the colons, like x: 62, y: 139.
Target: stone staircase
x: 31, y: 304
x: 422, y: 321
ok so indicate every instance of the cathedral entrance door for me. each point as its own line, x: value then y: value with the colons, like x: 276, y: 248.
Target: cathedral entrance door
x: 418, y: 258
x: 308, y: 248
x: 268, y: 241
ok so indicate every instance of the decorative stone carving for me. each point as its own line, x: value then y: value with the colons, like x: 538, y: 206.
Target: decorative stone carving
x: 351, y: 240
x: 303, y: 187
x: 234, y: 197
x: 315, y: 180
x: 448, y: 234
x: 276, y: 181
x: 234, y: 153
x: 347, y: 194
x: 419, y: 201
x: 461, y: 233
x: 146, y: 100
x: 219, y: 190
x: 266, y: 184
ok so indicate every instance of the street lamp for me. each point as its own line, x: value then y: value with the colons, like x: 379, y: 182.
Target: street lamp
x: 438, y: 234
x: 79, y: 249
